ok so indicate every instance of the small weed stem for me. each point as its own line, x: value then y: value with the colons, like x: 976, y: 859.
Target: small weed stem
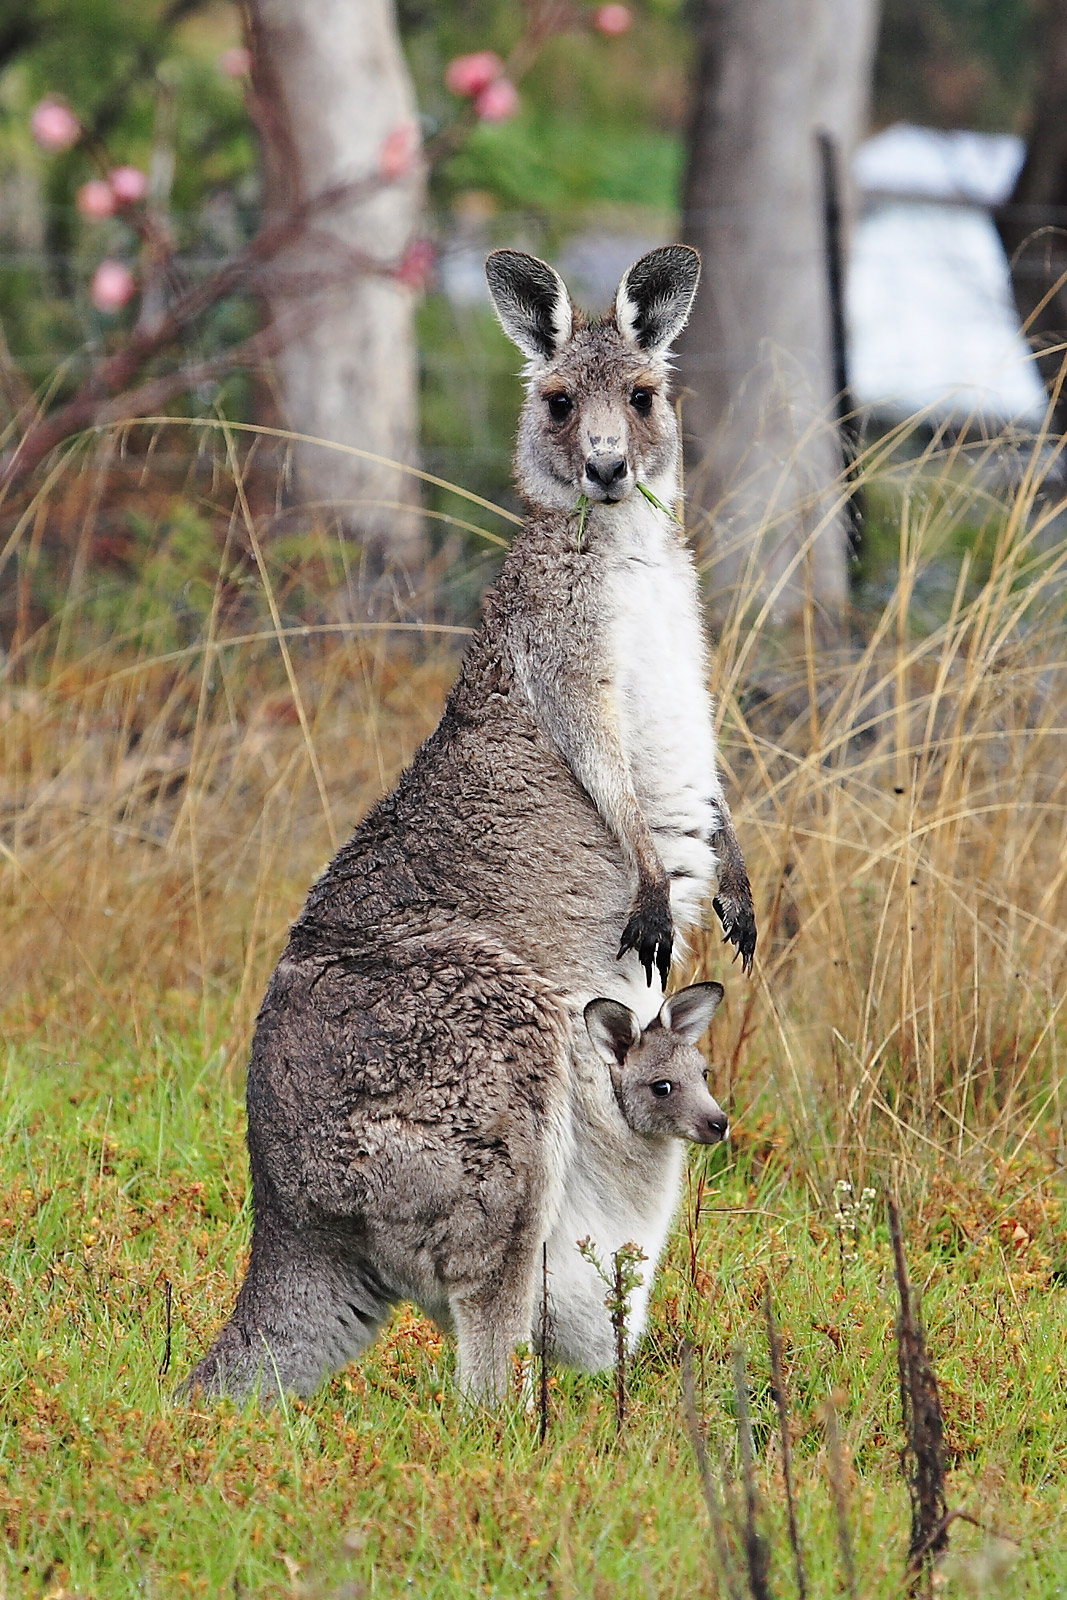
x: 840, y: 1494
x: 542, y: 1398
x: 621, y: 1283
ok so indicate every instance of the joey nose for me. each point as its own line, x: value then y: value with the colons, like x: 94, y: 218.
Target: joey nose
x: 718, y: 1126
x: 605, y: 471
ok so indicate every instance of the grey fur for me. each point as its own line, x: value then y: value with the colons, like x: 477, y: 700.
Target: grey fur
x: 424, y: 1107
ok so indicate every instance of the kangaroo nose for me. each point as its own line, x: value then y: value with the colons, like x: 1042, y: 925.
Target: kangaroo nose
x: 605, y: 470
x: 718, y: 1126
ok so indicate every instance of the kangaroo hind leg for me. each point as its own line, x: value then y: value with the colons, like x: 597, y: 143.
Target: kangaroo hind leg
x: 306, y: 1308
x: 489, y: 1323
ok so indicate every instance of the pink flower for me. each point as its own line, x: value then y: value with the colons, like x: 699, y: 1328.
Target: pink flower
x: 95, y: 200
x: 399, y: 150
x: 416, y: 268
x: 235, y: 62
x: 498, y: 102
x: 112, y: 286
x: 128, y: 185
x: 613, y: 20
x: 54, y: 125
x: 471, y: 75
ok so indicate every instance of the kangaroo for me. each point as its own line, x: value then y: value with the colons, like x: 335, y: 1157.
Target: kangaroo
x: 658, y: 1074
x: 551, y: 842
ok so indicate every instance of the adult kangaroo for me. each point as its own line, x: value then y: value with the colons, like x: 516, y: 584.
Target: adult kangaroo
x: 549, y: 844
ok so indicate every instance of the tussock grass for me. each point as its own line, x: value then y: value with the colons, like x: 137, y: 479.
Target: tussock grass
x: 171, y: 778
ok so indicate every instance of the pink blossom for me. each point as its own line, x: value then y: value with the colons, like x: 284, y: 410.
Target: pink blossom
x: 112, y: 286
x: 471, y: 75
x: 95, y: 200
x: 54, y: 125
x: 613, y: 20
x: 235, y: 62
x: 416, y: 268
x: 399, y: 150
x: 498, y: 102
x: 128, y: 185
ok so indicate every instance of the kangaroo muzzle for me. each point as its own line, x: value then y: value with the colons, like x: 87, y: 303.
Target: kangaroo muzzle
x: 607, y: 476
x: 716, y: 1126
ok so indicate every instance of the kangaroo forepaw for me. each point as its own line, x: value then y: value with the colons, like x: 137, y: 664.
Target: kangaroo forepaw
x: 733, y: 903
x: 738, y: 926
x: 650, y: 931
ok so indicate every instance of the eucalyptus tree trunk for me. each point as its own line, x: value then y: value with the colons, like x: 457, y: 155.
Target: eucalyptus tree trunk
x: 764, y: 455
x: 330, y: 86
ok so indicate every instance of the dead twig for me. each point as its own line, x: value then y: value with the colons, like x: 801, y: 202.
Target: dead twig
x: 168, y: 1297
x: 757, y: 1550
x: 922, y: 1456
x: 778, y: 1391
x: 709, y: 1488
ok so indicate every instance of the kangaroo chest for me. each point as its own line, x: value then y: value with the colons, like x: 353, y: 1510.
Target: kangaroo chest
x: 660, y: 666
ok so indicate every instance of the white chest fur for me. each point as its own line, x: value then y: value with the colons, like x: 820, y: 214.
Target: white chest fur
x: 621, y: 1190
x: 660, y: 668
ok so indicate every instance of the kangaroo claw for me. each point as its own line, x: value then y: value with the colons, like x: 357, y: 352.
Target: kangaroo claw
x: 733, y: 903
x: 650, y: 931
x: 738, y: 927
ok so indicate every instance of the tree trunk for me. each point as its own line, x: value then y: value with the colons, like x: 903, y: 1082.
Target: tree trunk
x: 764, y: 455
x: 330, y: 85
x: 1031, y: 224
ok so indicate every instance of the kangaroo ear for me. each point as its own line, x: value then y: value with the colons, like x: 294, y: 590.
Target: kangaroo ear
x: 531, y: 301
x: 613, y: 1029
x: 654, y: 299
x: 688, y: 1012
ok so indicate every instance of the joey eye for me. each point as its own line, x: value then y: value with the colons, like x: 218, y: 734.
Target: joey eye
x: 560, y: 407
x: 661, y: 1089
x: 704, y: 1074
x: 641, y: 400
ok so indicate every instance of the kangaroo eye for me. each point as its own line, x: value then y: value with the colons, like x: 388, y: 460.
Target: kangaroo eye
x: 641, y: 400
x: 560, y: 407
x: 704, y: 1074
x: 661, y: 1089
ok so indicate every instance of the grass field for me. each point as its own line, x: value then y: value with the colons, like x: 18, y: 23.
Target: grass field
x: 169, y: 784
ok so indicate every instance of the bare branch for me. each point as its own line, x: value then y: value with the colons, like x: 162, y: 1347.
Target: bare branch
x: 117, y: 372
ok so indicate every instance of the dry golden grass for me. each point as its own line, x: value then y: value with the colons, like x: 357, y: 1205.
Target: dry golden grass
x: 900, y: 800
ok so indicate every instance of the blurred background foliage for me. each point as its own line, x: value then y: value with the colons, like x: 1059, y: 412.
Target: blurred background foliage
x: 597, y: 143
x: 600, y: 129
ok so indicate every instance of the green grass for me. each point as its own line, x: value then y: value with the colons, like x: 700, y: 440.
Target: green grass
x: 124, y: 1170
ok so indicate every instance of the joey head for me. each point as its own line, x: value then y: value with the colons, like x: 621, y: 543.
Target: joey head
x: 658, y: 1074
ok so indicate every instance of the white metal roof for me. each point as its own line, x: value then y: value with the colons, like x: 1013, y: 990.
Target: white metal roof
x: 932, y: 321
x: 939, y: 163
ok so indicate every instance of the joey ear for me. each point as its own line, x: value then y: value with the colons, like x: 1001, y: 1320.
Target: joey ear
x: 654, y: 299
x: 688, y: 1012
x: 531, y: 301
x: 613, y: 1029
